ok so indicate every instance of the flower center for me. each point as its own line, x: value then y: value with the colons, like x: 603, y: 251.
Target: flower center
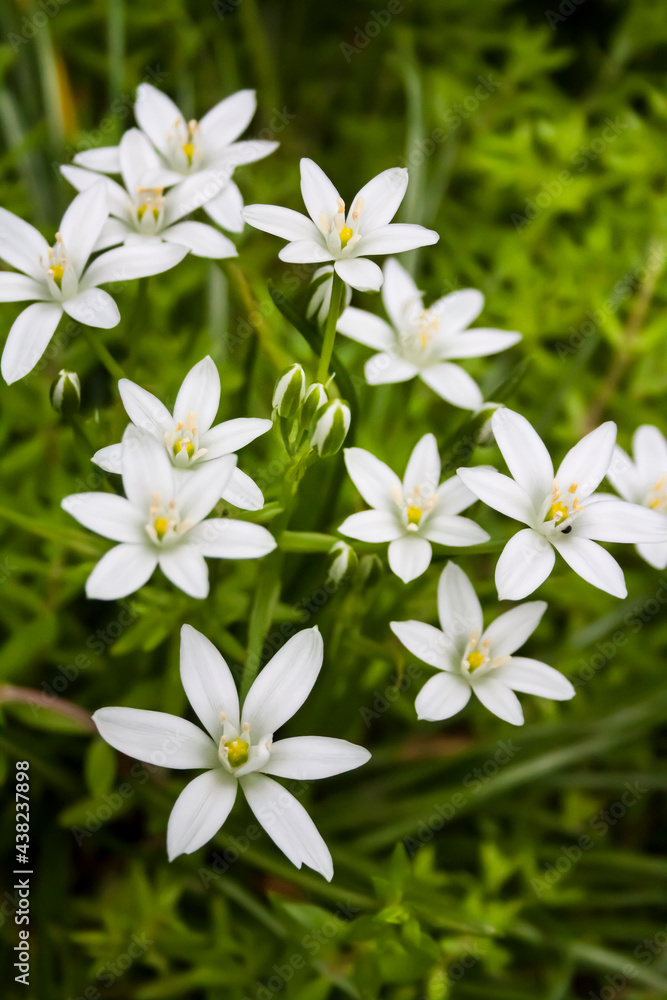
x: 414, y: 515
x: 475, y: 659
x: 563, y: 508
x: 152, y: 203
x: 183, y: 141
x: 338, y: 233
x: 476, y: 656
x: 237, y: 752
x: 412, y: 509
x: 164, y: 522
x: 57, y: 262
x: 656, y: 497
x: 183, y: 442
x: 346, y: 235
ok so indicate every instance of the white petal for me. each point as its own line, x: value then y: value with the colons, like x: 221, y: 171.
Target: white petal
x: 105, y: 159
x: 454, y: 385
x: 510, y: 631
x: 479, y: 343
x: 283, y: 222
x: 208, y: 682
x: 144, y: 409
x: 135, y: 261
x: 232, y: 435
x: 362, y: 274
x: 228, y: 119
x: 308, y: 757
x: 376, y: 482
x: 396, y: 238
x: 287, y: 823
x: 372, y: 526
x: 20, y: 288
x: 305, y: 252
x: 425, y: 642
x: 319, y: 194
x: 199, y: 811
x: 453, y: 531
x: 146, y: 468
x: 459, y: 609
x: 22, y: 246
x: 457, y: 310
x: 156, y: 738
x: 186, y: 567
x: 586, y: 464
x: 243, y: 492
x: 409, y: 557
x: 618, y: 521
x: 156, y: 114
x: 441, y: 697
x: 109, y: 458
x: 525, y: 453
x: 226, y: 208
x: 192, y: 193
x: 82, y: 223
x: 94, y: 307
x: 380, y: 198
x: 366, y: 328
x: 281, y: 688
x: 399, y: 292
x: 200, y: 239
x: 227, y: 538
x: 385, y: 368
x: 650, y: 451
x: 533, y: 677
x: 499, y: 699
x: 137, y: 156
x: 454, y: 496
x: 524, y: 564
x: 199, y: 393
x: 118, y: 199
x: 28, y: 339
x: 107, y: 514
x: 115, y: 231
x: 654, y: 554
x: 199, y: 489
x: 120, y: 572
x: 625, y: 477
x: 499, y: 492
x: 247, y: 151
x: 423, y: 469
x: 592, y: 563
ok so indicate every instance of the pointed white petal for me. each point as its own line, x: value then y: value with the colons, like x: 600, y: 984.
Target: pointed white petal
x: 499, y: 492
x: 186, y: 567
x: 454, y: 496
x: 509, y: 631
x: 399, y: 292
x: 115, y: 231
x: 191, y: 193
x: 108, y: 515
x: 94, y: 307
x: 409, y: 557
x: 372, y: 526
x: 442, y: 697
x: 144, y: 409
x: 423, y: 471
x: 383, y: 369
x: 247, y: 151
x: 618, y: 521
x: 82, y: 223
x: 362, y: 274
x: 319, y: 194
x: 593, y: 563
x: 243, y: 492
x: 454, y: 385
x: 453, y: 531
x: 208, y: 682
x: 156, y: 114
x: 533, y: 677
x: 156, y: 738
x: 105, y: 159
x: 121, y: 571
x: 201, y: 240
x: 499, y: 699
x: 366, y: 328
x: 227, y: 538
x: 137, y: 157
x: 281, y: 688
x: 650, y: 451
x: 109, y: 458
x: 459, y: 609
x: 20, y: 288
x: 22, y: 246
x: 226, y: 208
x: 480, y: 343
x: 457, y: 310
x: 396, y: 238
x: 525, y: 453
x: 199, y: 393
x: 376, y: 482
x: 305, y: 252
x: 283, y: 222
x: 308, y: 757
x: 425, y: 642
x: 625, y: 477
x: 146, y: 468
x: 28, y: 339
x: 380, y: 198
x: 199, y: 811
x: 287, y: 823
x: 586, y: 464
x: 524, y: 564
x: 228, y: 119
x: 232, y: 435
x: 139, y: 260
x: 655, y: 554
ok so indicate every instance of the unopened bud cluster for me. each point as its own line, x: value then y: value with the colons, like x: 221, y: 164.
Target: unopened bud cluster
x: 308, y: 419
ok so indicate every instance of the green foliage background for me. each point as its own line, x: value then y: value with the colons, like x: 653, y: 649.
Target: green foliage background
x: 456, y: 860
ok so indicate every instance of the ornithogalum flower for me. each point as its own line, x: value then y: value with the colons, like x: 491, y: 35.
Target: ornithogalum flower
x: 349, y: 238
x: 58, y: 279
x: 644, y: 481
x: 140, y: 214
x: 474, y: 659
x: 424, y: 342
x: 413, y: 513
x: 238, y: 747
x: 187, y: 435
x: 563, y: 513
x: 160, y: 522
x: 186, y: 148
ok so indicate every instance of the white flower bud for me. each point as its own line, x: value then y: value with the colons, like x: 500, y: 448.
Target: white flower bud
x: 343, y: 563
x: 316, y: 398
x: 65, y: 393
x: 331, y: 427
x: 289, y: 391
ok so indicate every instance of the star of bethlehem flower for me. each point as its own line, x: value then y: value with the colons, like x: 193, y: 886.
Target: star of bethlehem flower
x: 410, y: 514
x: 188, y: 437
x: 346, y: 238
x: 644, y: 481
x: 562, y: 512
x: 423, y: 342
x: 238, y: 747
x: 477, y: 660
x: 160, y: 522
x: 142, y: 214
x: 60, y: 279
x: 185, y: 148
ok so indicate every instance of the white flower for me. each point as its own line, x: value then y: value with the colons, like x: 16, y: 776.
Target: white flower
x: 644, y: 482
x: 59, y: 280
x: 160, y: 522
x: 478, y: 660
x: 143, y: 214
x: 239, y: 747
x: 186, y: 148
x: 187, y: 435
x: 410, y: 514
x: 423, y: 341
x: 331, y: 234
x: 563, y: 513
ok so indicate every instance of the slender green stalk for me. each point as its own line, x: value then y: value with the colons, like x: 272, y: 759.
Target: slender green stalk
x: 103, y: 354
x: 305, y: 541
x: 337, y: 286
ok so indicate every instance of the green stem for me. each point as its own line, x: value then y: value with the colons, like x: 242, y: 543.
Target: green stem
x: 305, y: 541
x: 103, y: 354
x: 337, y: 286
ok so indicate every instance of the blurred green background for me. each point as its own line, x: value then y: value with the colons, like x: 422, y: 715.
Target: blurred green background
x: 473, y: 860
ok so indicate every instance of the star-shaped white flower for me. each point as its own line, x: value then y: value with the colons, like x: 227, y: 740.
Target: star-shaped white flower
x: 644, y: 481
x: 413, y: 513
x: 238, y: 748
x: 60, y: 279
x: 188, y: 436
x: 562, y: 512
x: 423, y: 341
x: 160, y: 522
x: 347, y: 239
x: 186, y: 148
x: 141, y: 214
x: 474, y: 659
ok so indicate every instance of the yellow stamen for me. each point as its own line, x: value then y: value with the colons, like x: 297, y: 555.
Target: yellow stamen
x: 573, y: 488
x: 475, y: 659
x: 160, y: 527
x: 237, y: 752
x: 414, y: 515
x: 557, y: 512
x: 189, y: 150
x: 346, y: 235
x: 57, y: 271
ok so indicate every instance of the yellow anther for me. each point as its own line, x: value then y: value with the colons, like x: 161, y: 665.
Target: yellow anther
x: 414, y: 515
x: 237, y: 752
x: 160, y: 527
x: 475, y: 659
x: 189, y: 150
x: 184, y: 443
x: 345, y: 236
x: 57, y: 271
x: 573, y: 488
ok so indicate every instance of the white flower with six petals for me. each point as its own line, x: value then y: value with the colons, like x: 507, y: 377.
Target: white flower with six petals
x: 644, y: 481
